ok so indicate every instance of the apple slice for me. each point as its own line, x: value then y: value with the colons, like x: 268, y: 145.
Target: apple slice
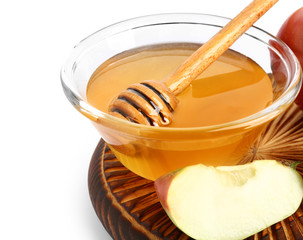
x: 231, y: 202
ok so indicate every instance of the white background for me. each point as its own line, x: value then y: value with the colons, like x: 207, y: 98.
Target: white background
x: 46, y: 145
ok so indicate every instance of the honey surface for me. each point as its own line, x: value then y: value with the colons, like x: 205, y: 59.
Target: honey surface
x: 233, y: 87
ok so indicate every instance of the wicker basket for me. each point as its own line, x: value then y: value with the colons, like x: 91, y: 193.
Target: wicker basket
x: 128, y: 206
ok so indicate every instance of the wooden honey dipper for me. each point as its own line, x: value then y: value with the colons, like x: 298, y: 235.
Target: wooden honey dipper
x: 152, y: 102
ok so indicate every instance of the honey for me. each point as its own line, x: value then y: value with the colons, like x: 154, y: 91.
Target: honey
x: 233, y: 87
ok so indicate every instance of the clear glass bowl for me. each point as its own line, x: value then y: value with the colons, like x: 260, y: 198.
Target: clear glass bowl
x: 152, y: 151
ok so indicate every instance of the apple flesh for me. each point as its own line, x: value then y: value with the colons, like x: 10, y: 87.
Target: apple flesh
x: 291, y: 32
x: 230, y: 202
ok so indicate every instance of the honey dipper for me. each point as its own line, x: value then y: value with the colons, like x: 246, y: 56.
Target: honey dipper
x: 153, y: 102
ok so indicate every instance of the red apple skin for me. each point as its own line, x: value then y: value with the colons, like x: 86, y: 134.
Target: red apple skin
x: 162, y: 185
x: 291, y: 32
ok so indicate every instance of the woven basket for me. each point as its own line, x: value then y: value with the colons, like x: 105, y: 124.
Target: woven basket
x: 128, y: 207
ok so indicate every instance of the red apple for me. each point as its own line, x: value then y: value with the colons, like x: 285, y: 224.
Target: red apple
x: 232, y: 202
x: 291, y: 32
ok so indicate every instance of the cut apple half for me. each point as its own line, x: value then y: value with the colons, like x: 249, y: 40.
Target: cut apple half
x: 230, y: 202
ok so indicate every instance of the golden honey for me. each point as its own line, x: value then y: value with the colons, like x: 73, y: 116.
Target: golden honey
x: 232, y: 88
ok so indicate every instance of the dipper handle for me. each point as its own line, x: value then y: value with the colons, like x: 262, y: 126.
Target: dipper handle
x: 217, y: 45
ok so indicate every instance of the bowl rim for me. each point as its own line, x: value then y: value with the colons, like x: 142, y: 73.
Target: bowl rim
x: 97, y: 115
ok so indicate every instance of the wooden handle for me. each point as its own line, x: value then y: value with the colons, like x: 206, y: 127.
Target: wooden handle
x: 217, y: 45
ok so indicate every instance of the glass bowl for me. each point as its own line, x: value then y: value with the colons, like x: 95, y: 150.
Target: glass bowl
x: 153, y: 151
